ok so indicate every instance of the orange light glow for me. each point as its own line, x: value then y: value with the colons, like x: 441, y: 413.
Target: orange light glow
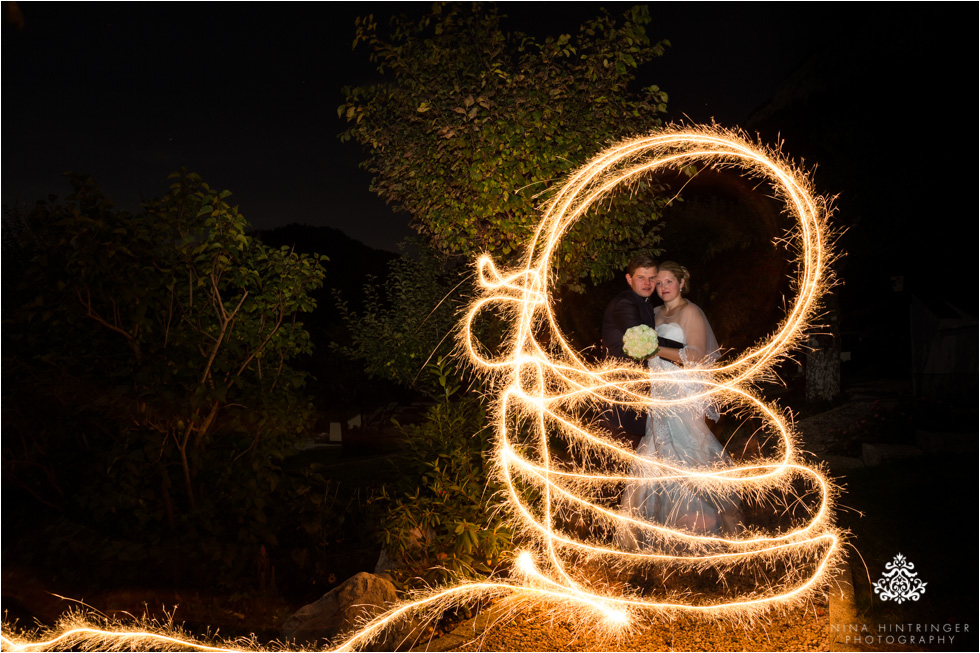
x: 546, y: 393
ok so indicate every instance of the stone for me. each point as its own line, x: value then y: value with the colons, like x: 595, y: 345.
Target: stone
x: 934, y: 442
x: 339, y: 610
x: 386, y: 563
x: 878, y: 453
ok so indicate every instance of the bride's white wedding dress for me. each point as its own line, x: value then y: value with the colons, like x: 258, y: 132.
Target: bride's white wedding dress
x: 679, y: 439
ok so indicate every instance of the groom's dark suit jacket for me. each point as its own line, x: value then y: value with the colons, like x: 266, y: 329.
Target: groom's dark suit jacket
x: 626, y: 310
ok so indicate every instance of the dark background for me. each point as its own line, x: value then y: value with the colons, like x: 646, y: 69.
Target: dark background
x: 881, y: 98
x: 246, y: 95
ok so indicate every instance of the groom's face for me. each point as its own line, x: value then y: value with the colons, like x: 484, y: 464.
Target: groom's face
x: 643, y: 281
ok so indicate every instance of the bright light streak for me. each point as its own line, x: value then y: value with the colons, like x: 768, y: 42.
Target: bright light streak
x: 525, y: 562
x: 95, y: 639
x: 547, y: 392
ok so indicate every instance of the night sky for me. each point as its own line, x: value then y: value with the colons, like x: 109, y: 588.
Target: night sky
x: 246, y: 94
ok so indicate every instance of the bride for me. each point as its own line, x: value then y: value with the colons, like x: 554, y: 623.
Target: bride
x: 678, y: 438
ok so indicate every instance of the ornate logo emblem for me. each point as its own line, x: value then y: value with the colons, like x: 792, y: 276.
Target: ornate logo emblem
x: 899, y: 582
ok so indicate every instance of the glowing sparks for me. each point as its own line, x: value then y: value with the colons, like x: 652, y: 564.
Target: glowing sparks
x: 90, y: 638
x: 564, y: 474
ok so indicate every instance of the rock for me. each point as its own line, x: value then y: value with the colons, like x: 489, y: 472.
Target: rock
x: 877, y: 453
x: 840, y: 465
x: 386, y: 563
x: 933, y: 442
x: 362, y: 595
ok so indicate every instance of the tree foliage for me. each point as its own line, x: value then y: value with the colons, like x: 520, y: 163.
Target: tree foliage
x: 472, y: 125
x: 162, y: 342
x: 442, y: 518
x: 406, y: 320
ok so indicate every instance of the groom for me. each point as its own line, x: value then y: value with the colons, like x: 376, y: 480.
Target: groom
x: 628, y: 309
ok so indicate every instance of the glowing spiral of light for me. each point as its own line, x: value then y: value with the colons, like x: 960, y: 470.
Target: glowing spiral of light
x: 547, y: 394
x: 547, y: 389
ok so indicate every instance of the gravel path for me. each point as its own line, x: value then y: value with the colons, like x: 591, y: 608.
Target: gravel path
x: 531, y: 628
x: 539, y: 629
x: 803, y: 629
x: 529, y: 631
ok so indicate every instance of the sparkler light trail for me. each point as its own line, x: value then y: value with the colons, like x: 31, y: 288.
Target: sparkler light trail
x: 564, y: 473
x: 561, y: 469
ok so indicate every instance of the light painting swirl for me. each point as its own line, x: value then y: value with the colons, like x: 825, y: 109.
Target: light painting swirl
x: 563, y: 472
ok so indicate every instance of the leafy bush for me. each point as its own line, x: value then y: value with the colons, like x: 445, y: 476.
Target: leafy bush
x: 155, y: 397
x: 404, y: 319
x: 440, y: 518
x: 471, y: 124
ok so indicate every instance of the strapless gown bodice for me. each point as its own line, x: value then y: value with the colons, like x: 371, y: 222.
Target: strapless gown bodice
x: 671, y: 331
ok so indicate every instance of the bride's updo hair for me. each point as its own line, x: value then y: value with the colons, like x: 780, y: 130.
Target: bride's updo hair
x: 680, y: 273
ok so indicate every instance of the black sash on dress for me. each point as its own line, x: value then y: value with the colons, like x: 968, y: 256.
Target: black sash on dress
x: 667, y: 342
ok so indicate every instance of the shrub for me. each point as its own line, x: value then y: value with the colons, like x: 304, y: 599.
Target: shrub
x: 441, y: 520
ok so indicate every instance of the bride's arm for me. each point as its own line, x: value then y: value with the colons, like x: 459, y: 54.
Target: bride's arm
x: 696, y: 331
x: 667, y: 353
x: 670, y: 354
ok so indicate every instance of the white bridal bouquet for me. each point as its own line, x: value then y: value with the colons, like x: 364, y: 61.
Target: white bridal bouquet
x: 640, y: 342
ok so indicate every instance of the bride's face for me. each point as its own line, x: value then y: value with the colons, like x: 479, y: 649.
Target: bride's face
x: 667, y: 286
